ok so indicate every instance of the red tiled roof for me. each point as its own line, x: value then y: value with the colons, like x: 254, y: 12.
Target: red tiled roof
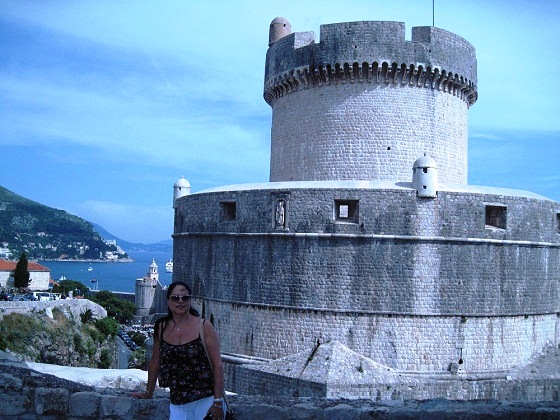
x: 31, y: 266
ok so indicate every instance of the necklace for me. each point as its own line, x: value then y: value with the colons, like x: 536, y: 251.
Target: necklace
x: 177, y: 326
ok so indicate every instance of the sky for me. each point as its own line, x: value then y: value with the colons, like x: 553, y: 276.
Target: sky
x: 105, y: 104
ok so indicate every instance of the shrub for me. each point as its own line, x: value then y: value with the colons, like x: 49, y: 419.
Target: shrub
x: 138, y: 359
x: 120, y: 309
x: 17, y: 331
x: 96, y: 335
x: 78, y: 343
x: 137, y: 337
x: 107, y: 326
x: 105, y: 359
x: 90, y: 348
x: 86, y: 316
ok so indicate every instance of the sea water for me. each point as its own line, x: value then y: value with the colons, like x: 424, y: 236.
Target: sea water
x: 112, y: 276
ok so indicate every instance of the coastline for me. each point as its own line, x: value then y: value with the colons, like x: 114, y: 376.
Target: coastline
x: 121, y: 260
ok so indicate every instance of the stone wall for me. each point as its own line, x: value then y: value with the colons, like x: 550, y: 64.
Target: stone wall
x: 406, y: 343
x: 25, y: 394
x: 39, y: 279
x: 414, y: 284
x: 366, y: 131
x: 255, y: 382
x: 73, y: 307
x: 385, y: 208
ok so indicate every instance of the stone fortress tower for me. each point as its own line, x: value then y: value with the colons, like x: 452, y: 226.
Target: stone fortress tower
x: 378, y: 102
x: 148, y: 295
x: 367, y: 266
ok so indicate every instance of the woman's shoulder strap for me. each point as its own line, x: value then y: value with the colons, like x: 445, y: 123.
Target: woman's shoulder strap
x: 203, y: 339
x: 201, y: 329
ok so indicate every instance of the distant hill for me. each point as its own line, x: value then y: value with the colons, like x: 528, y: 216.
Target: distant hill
x: 163, y: 246
x: 47, y: 233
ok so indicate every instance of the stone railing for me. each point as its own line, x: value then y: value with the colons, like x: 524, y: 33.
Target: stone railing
x: 69, y: 306
x: 28, y: 394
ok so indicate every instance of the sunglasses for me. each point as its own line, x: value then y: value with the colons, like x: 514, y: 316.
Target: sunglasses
x: 177, y: 298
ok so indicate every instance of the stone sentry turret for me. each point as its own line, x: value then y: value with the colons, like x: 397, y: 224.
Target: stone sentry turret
x: 379, y: 102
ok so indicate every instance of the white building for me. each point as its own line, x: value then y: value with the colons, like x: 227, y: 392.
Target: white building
x: 39, y: 275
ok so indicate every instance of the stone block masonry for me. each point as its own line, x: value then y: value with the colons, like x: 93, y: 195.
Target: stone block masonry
x: 415, y: 285
x: 379, y: 102
x: 25, y: 394
x: 367, y: 132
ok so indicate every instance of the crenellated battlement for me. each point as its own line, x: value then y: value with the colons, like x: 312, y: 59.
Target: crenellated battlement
x: 372, y: 52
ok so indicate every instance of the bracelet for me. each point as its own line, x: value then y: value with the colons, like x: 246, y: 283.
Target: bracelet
x: 218, y: 400
x: 217, y: 405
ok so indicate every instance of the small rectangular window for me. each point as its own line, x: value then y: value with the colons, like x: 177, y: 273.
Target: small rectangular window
x: 229, y: 210
x: 557, y: 222
x: 496, y: 216
x: 346, y: 211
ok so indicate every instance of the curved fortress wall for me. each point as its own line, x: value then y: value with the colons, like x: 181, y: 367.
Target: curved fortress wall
x: 378, y: 102
x: 414, y: 284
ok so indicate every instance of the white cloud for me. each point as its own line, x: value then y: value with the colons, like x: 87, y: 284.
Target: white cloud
x: 176, y: 89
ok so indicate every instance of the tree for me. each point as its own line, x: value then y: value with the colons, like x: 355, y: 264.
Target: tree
x: 105, y: 360
x: 66, y: 286
x: 87, y: 316
x: 120, y: 309
x: 21, y: 273
x: 107, y: 326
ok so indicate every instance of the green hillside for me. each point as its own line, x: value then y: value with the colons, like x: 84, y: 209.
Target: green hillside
x: 47, y: 233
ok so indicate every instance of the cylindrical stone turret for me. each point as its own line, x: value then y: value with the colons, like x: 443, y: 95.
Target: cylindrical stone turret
x: 364, y: 103
x: 279, y: 28
x: 180, y: 189
x: 425, y: 177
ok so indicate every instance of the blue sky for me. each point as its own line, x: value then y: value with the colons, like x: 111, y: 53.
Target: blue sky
x: 105, y: 104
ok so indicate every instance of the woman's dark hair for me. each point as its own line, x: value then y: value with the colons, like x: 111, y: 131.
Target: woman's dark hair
x: 172, y: 287
x: 161, y: 323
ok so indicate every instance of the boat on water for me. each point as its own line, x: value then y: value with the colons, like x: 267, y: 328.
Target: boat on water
x: 90, y: 268
x: 169, y: 266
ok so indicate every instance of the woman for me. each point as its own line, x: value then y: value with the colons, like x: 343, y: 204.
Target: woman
x: 195, y: 376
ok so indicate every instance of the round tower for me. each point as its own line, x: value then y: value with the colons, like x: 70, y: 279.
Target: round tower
x: 419, y: 279
x: 146, y: 290
x: 181, y: 188
x: 363, y: 103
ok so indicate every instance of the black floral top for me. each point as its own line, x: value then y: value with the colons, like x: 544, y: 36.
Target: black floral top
x: 188, y: 371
